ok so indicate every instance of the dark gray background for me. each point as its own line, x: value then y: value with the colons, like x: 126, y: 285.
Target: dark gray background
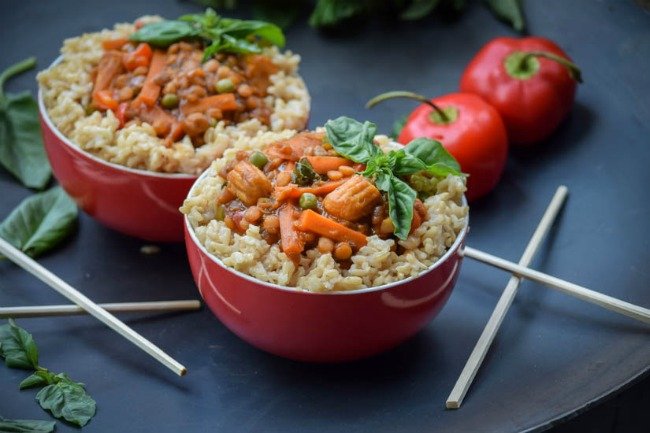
x: 554, y: 355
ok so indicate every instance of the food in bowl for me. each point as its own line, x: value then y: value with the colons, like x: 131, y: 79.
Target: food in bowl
x: 336, y: 209
x: 159, y: 95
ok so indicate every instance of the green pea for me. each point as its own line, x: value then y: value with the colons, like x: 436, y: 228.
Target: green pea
x: 224, y: 85
x: 220, y: 213
x: 308, y: 201
x: 170, y: 100
x: 258, y: 159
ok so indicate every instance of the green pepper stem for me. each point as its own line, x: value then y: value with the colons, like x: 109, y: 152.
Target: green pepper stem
x: 16, y: 69
x: 572, y: 68
x: 408, y: 95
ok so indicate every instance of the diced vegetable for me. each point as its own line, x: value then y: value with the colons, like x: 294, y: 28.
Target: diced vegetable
x: 323, y: 164
x: 141, y: 56
x: 258, y: 159
x: 290, y: 240
x: 113, y: 44
x: 224, y: 102
x: 293, y: 192
x: 109, y: 67
x: 353, y: 200
x: 104, y: 100
x: 311, y: 221
x: 169, y: 101
x: 248, y: 183
x: 225, y: 85
x: 150, y: 89
x: 308, y: 201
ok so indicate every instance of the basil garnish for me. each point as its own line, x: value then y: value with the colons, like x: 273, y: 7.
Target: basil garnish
x: 62, y: 396
x: 21, y: 145
x: 218, y: 33
x: 354, y: 140
x: 40, y: 222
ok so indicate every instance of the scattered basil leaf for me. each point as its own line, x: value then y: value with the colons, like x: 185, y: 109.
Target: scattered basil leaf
x: 398, y: 125
x: 68, y: 400
x: 21, y: 146
x: 37, y: 379
x: 40, y: 222
x: 328, y: 13
x: 17, y: 347
x: 352, y: 139
x: 303, y: 174
x: 510, y: 11
x: 401, y: 198
x: 438, y: 161
x: 419, y: 9
x: 25, y: 426
x: 219, y: 34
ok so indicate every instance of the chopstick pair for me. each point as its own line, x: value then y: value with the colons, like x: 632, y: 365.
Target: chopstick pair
x: 520, y: 271
x: 78, y: 298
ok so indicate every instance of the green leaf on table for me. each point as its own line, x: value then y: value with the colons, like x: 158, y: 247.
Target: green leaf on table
x: 68, y: 400
x: 21, y: 145
x: 328, y: 13
x: 39, y: 378
x: 40, y: 222
x: 26, y: 426
x: 419, y: 9
x: 17, y: 347
x: 510, y: 11
x: 352, y: 139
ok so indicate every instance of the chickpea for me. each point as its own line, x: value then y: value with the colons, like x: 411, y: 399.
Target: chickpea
x: 386, y: 227
x: 253, y: 214
x: 283, y: 178
x: 126, y: 94
x: 196, y: 124
x: 343, y: 251
x: 346, y: 170
x: 271, y: 224
x: 214, y: 113
x: 245, y: 90
x: 252, y: 102
x: 335, y: 175
x: 211, y: 66
x: 325, y: 245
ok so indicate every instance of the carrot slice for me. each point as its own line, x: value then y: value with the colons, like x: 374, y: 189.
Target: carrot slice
x: 104, y: 100
x: 290, y: 240
x: 114, y: 44
x: 150, y: 90
x: 311, y: 221
x: 323, y: 164
x: 224, y: 102
x: 289, y: 192
x: 109, y: 67
x: 141, y: 56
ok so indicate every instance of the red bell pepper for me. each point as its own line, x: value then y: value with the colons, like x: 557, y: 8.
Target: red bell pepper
x: 530, y: 81
x: 468, y: 127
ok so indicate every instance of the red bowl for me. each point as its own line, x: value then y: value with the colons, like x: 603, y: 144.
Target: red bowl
x: 322, y: 327
x: 138, y: 203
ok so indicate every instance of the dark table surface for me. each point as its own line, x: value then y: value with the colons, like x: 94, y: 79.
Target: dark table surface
x: 554, y: 357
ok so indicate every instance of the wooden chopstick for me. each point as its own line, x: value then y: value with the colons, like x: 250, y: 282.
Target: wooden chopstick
x: 31, y: 266
x: 627, y: 309
x: 484, y: 342
x: 123, y: 307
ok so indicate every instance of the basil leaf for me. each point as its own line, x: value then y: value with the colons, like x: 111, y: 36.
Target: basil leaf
x: 242, y: 29
x: 328, y: 13
x: 21, y: 145
x: 67, y: 400
x: 352, y: 139
x: 407, y: 164
x: 40, y: 222
x: 438, y: 161
x: 26, y: 426
x: 509, y: 11
x: 164, y: 33
x: 419, y: 9
x: 303, y: 174
x: 39, y: 378
x: 17, y: 347
x: 401, y: 198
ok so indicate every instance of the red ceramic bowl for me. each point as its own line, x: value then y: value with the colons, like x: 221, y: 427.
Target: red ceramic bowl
x: 322, y: 327
x: 138, y: 203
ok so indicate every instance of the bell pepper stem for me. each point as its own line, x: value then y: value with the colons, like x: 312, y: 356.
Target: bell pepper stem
x: 408, y: 95
x: 572, y: 68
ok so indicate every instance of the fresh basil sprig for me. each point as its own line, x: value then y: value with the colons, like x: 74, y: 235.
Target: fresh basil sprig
x: 218, y: 33
x: 40, y: 222
x: 26, y: 426
x: 62, y: 396
x: 354, y: 140
x: 21, y: 145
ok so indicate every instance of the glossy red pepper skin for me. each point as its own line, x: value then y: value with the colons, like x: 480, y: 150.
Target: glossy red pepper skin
x: 532, y: 107
x: 476, y: 138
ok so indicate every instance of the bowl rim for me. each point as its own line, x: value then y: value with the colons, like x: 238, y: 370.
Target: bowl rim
x: 451, y: 250
x: 137, y: 171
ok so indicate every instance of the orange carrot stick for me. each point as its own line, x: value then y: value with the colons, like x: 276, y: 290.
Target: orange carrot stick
x: 224, y: 102
x: 323, y: 164
x: 289, y: 236
x: 114, y: 44
x: 109, y: 67
x: 293, y: 192
x: 150, y: 90
x: 311, y: 221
